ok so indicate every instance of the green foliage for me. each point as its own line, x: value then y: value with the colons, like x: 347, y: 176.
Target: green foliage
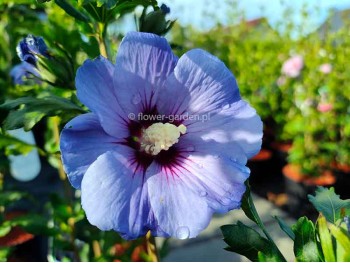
x: 245, y: 240
x: 4, y: 253
x: 327, y: 202
x: 305, y: 246
x: 249, y: 243
x: 289, y: 106
x: 10, y: 197
x: 326, y: 240
x: 341, y: 235
x: 27, y: 111
x: 286, y: 229
x: 14, y: 146
x: 71, y: 10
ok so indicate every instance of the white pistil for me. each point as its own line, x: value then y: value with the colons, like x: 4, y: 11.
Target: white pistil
x: 161, y: 136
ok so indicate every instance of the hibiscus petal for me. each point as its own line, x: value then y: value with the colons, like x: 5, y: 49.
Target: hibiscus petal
x: 143, y: 63
x: 217, y: 178
x: 94, y: 82
x: 238, y: 123
x: 179, y: 210
x: 115, y: 197
x: 201, y: 83
x: 82, y: 141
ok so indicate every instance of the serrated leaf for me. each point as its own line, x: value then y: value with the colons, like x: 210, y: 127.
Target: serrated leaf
x: 286, y: 229
x: 249, y: 243
x: 305, y: 247
x: 328, y: 203
x: 325, y: 240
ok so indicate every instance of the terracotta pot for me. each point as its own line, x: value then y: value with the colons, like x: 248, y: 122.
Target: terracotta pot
x: 281, y: 146
x: 263, y: 155
x: 344, y: 168
x: 298, y: 186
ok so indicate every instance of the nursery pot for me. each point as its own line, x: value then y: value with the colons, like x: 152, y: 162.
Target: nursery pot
x: 280, y: 151
x: 342, y: 173
x: 260, y: 166
x: 298, y: 186
x: 265, y: 174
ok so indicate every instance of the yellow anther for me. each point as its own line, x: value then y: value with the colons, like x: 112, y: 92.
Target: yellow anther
x: 161, y: 136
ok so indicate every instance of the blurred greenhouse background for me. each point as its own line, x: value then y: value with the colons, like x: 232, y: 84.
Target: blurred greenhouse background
x: 291, y: 62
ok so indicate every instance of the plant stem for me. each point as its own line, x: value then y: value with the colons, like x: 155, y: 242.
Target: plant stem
x: 96, y: 249
x: 66, y: 186
x: 101, y: 40
x: 259, y: 222
x: 151, y: 247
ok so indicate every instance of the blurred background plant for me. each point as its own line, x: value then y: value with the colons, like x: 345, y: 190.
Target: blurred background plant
x: 297, y: 84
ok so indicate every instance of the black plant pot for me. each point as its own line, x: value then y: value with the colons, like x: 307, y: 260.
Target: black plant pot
x: 342, y: 184
x: 298, y: 187
x: 266, y: 175
x: 298, y: 203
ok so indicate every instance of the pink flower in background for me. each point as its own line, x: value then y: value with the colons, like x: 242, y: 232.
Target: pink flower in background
x: 324, y: 107
x: 325, y: 68
x: 293, y: 66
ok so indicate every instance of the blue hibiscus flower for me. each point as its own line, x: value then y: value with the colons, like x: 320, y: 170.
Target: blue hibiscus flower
x: 161, y: 174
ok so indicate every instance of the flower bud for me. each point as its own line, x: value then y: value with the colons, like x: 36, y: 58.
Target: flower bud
x: 30, y: 48
x: 155, y: 22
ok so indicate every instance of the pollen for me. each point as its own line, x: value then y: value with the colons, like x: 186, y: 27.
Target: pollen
x: 161, y: 136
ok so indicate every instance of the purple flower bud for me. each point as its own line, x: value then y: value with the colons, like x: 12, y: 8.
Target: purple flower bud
x: 23, y: 71
x: 30, y: 47
x: 165, y: 9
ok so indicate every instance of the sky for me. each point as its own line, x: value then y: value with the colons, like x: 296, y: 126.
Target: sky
x: 199, y: 12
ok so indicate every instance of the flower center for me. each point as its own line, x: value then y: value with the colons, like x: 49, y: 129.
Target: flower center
x: 160, y: 136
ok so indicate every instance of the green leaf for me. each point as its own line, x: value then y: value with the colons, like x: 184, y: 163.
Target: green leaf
x: 4, y: 230
x: 4, y: 253
x: 31, y: 110
x: 286, y: 229
x: 305, y: 247
x: 33, y: 223
x: 71, y: 10
x: 249, y: 243
x: 328, y: 203
x: 10, y: 197
x: 108, y: 3
x: 325, y: 239
x: 343, y: 243
x: 15, y: 144
x: 248, y: 206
